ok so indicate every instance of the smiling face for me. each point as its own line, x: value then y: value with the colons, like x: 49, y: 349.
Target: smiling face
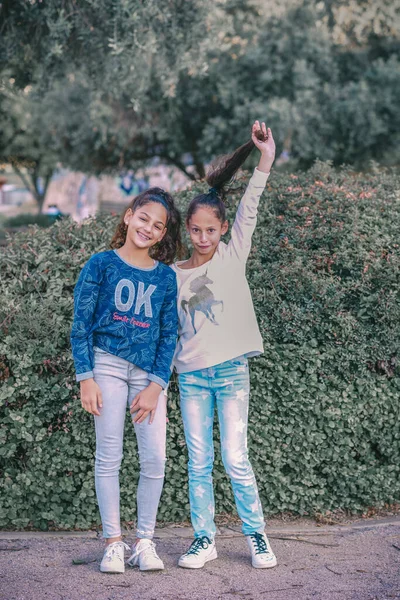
x: 205, y: 230
x: 146, y: 226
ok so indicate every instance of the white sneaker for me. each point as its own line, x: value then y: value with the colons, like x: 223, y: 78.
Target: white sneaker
x: 201, y: 551
x: 144, y: 556
x: 114, y: 558
x: 262, y: 556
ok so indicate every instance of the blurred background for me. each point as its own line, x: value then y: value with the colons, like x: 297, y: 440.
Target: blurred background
x: 100, y: 99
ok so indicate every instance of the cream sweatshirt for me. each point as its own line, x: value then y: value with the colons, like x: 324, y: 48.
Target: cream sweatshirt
x: 216, y: 314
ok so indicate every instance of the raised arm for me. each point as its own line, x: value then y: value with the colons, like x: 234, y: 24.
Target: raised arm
x: 246, y: 217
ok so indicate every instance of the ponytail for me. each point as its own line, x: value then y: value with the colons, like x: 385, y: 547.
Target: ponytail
x: 170, y: 247
x: 223, y: 169
x: 219, y: 177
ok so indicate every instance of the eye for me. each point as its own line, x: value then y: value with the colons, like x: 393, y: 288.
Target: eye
x: 211, y: 230
x: 142, y: 219
x: 195, y: 230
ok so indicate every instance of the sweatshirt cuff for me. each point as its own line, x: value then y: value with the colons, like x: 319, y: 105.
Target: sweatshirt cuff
x: 259, y: 178
x: 158, y: 380
x: 83, y: 376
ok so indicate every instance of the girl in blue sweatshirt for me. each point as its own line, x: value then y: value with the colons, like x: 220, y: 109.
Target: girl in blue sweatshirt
x: 123, y: 340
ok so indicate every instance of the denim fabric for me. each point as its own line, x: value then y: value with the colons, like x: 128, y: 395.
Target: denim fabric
x: 120, y: 381
x: 227, y: 386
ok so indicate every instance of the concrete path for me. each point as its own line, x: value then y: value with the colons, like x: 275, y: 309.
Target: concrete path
x: 360, y: 561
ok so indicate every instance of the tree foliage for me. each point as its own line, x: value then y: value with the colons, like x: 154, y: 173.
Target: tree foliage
x: 129, y: 81
x: 120, y: 43
x: 359, y: 21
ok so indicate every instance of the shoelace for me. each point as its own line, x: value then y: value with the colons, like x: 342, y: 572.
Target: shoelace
x: 111, y: 549
x: 259, y: 542
x: 198, y: 544
x: 150, y: 549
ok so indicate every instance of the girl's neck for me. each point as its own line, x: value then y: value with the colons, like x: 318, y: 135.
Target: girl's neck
x: 197, y: 260
x: 135, y: 256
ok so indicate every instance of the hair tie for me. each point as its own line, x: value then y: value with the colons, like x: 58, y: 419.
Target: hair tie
x: 213, y: 191
x: 164, y: 195
x: 161, y: 198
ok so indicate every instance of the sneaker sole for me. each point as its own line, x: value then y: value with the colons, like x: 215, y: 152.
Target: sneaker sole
x: 270, y: 565
x: 185, y: 565
x: 152, y: 569
x: 133, y: 565
x: 111, y: 571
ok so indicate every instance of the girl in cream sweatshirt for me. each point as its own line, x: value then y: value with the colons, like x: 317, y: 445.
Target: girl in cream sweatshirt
x: 218, y: 331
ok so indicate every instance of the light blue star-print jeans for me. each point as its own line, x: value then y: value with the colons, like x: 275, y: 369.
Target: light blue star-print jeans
x: 227, y: 386
x: 119, y: 382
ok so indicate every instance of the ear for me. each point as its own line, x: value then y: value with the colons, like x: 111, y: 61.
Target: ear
x: 224, y: 228
x: 127, y: 216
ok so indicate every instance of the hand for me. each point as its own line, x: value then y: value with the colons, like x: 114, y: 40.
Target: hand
x: 145, y: 402
x: 264, y: 141
x: 91, y: 399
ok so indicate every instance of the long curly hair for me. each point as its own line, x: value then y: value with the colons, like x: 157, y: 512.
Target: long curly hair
x: 170, y: 247
x: 220, y: 177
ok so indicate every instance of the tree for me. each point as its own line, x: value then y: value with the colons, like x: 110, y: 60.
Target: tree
x: 184, y: 83
x: 322, y: 100
x: 23, y: 140
x: 134, y: 54
x: 121, y: 43
x: 126, y: 96
x: 357, y: 22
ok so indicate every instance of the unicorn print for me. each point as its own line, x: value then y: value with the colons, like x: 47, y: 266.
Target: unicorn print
x: 202, y: 301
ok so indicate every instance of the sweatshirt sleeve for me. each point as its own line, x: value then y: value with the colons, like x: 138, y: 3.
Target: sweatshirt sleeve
x: 246, y: 217
x: 161, y: 371
x: 85, y: 300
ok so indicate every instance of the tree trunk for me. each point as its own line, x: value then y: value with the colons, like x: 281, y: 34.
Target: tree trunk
x: 40, y: 196
x: 30, y: 182
x: 201, y: 172
x: 177, y: 163
x: 25, y: 181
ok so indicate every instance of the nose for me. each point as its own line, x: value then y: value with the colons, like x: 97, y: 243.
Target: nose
x: 203, y: 237
x: 147, y: 227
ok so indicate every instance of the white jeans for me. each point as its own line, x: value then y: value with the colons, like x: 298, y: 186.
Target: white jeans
x: 120, y: 381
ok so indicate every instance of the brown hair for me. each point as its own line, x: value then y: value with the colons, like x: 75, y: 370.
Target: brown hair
x: 171, y: 244
x: 220, y: 174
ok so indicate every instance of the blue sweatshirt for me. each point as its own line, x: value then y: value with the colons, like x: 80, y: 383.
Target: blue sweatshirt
x: 127, y: 311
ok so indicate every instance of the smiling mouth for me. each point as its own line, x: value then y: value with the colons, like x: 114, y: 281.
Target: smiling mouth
x: 143, y: 237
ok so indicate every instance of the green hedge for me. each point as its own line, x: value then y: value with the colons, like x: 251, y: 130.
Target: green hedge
x: 25, y: 219
x: 324, y: 418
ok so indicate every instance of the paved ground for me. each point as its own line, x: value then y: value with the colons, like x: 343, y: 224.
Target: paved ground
x: 356, y: 562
